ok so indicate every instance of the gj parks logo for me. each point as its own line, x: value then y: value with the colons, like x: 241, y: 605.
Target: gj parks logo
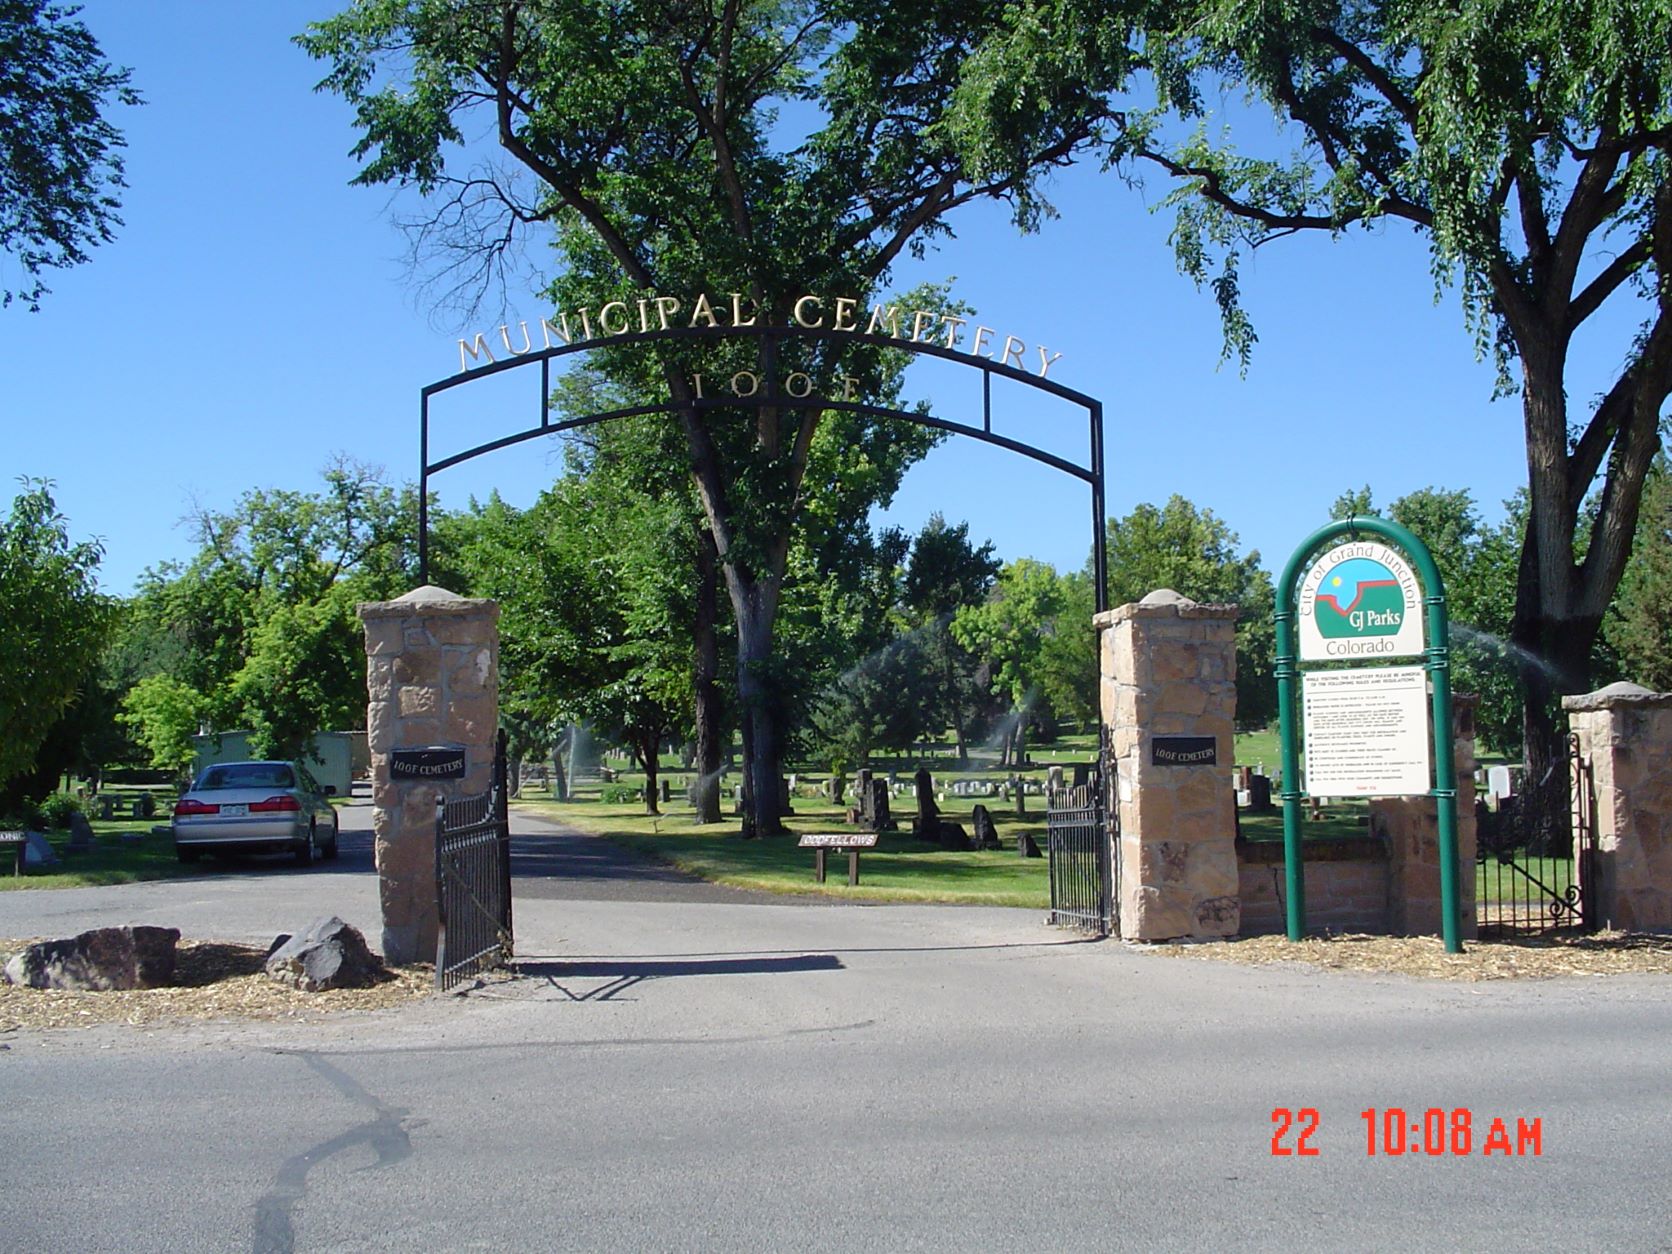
x: 1359, y: 600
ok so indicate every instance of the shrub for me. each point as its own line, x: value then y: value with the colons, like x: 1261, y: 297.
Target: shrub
x: 620, y: 794
x: 55, y: 811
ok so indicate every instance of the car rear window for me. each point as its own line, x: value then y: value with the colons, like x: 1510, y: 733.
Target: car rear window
x: 247, y: 775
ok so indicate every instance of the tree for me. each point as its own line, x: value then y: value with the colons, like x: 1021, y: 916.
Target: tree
x: 946, y: 573
x: 1009, y: 630
x: 1193, y: 552
x: 1639, y: 625
x: 1529, y: 143
x: 55, y: 624
x: 659, y: 146
x: 260, y: 625
x: 1477, y: 566
x: 60, y: 159
x: 165, y: 714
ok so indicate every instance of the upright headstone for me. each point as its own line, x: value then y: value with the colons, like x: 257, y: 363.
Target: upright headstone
x: 1053, y: 779
x: 81, y: 832
x: 927, y: 824
x: 881, y: 819
x: 986, y: 834
x: 1019, y: 793
x: 432, y: 680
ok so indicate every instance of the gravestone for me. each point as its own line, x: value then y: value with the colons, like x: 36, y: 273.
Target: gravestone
x: 986, y: 834
x: 667, y: 792
x: 877, y: 815
x: 1027, y: 846
x: 1020, y: 794
x: 1082, y: 774
x: 737, y: 799
x: 784, y: 790
x: 1053, y: 779
x: 953, y: 837
x: 81, y: 832
x: 1259, y: 794
x: 927, y: 824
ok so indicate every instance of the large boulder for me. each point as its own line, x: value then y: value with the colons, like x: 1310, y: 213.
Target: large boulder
x: 105, y: 958
x: 328, y: 953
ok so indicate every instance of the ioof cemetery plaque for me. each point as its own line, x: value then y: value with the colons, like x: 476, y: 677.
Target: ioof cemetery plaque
x: 1366, y: 732
x: 1184, y: 751
x: 429, y: 762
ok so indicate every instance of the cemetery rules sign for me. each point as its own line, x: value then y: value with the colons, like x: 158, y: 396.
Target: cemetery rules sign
x: 1366, y: 732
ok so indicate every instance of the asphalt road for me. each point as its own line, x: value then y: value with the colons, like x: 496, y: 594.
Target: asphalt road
x: 679, y: 1069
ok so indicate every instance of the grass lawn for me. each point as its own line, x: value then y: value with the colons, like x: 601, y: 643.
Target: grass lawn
x: 898, y: 869
x: 112, y: 861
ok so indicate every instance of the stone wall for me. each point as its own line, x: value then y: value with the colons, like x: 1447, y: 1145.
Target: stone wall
x: 1168, y: 668
x: 1626, y: 733
x: 432, y: 678
x: 1410, y: 828
x: 1346, y: 886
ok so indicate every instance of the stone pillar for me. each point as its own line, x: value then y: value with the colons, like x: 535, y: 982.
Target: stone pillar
x: 1625, y: 731
x: 432, y: 679
x: 1410, y: 828
x: 1168, y: 668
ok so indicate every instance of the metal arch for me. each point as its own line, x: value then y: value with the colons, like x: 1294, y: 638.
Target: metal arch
x: 1092, y: 474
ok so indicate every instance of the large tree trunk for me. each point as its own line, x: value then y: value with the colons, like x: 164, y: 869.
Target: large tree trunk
x: 762, y: 747
x: 648, y: 745
x: 710, y: 715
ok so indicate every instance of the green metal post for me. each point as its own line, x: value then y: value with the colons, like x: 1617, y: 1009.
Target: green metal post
x: 1288, y: 676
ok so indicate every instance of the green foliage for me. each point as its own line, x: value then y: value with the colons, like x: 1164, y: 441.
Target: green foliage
x: 60, y: 159
x: 1639, y: 625
x: 55, y: 624
x: 1194, y: 552
x: 1477, y: 565
x: 55, y: 810
x: 1010, y: 629
x: 1529, y: 143
x: 758, y: 148
x: 619, y: 794
x: 164, y: 714
x: 258, y: 630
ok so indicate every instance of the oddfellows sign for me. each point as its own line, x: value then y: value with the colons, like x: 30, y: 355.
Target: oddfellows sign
x: 813, y: 313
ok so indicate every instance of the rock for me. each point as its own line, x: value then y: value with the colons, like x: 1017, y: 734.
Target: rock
x: 328, y: 953
x: 986, y: 832
x: 97, y: 961
x: 953, y: 836
x: 1027, y: 846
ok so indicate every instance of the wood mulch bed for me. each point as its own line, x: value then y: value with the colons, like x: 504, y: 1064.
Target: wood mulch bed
x: 212, y: 980
x: 1520, y: 958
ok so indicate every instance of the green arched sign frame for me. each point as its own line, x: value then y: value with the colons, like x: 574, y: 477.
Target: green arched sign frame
x: 1437, y: 660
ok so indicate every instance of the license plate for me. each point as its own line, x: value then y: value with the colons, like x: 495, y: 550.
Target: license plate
x: 233, y: 812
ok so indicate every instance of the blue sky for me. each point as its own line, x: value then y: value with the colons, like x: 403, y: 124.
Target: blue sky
x: 254, y: 317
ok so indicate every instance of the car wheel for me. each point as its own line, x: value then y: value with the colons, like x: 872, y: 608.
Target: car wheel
x: 186, y: 854
x: 330, y: 850
x: 305, y: 851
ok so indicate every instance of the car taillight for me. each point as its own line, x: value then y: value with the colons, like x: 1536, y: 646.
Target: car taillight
x: 189, y: 805
x: 286, y: 803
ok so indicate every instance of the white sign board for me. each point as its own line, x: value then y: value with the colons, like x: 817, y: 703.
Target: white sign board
x: 1367, y: 732
x: 1359, y: 600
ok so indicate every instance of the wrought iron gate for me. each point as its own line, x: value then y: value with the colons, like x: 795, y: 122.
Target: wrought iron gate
x: 1519, y: 889
x: 1081, y: 849
x: 473, y: 881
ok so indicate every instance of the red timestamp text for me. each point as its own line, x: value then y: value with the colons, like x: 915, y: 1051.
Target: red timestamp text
x: 1394, y: 1132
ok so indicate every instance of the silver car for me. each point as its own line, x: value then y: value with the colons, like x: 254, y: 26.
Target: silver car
x: 255, y: 807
